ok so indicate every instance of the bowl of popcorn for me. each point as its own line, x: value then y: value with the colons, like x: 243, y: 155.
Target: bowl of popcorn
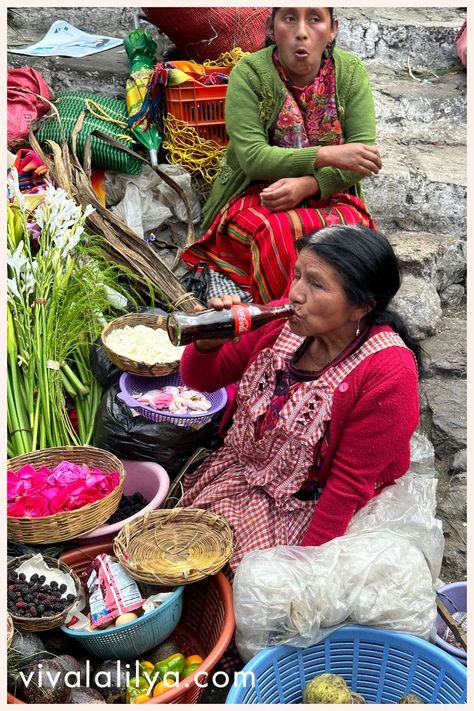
x: 139, y: 344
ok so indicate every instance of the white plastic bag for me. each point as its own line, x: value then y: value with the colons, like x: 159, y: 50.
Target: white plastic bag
x: 380, y: 573
x: 145, y: 202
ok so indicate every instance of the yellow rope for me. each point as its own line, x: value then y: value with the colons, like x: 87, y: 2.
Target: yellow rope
x: 96, y: 110
x: 226, y: 59
x: 187, y: 148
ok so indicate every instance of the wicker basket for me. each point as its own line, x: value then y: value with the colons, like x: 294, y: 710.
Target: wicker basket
x: 40, y: 624
x: 133, y: 366
x: 10, y: 630
x: 174, y: 547
x: 69, y: 524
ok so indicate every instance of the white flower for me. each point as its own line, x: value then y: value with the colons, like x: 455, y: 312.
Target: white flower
x: 14, y: 189
x: 16, y: 261
x: 12, y: 290
x: 88, y: 210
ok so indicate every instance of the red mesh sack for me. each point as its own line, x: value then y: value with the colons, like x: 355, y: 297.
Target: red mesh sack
x: 201, y: 33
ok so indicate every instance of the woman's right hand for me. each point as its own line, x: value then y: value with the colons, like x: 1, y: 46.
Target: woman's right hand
x: 218, y: 303
x: 356, y: 157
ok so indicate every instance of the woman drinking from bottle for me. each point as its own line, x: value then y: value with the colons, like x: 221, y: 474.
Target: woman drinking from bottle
x: 327, y: 400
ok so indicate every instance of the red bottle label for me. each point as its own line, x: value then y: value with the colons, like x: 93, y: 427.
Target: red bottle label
x: 242, y: 318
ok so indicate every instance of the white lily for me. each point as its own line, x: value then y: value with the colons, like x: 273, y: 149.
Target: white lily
x: 17, y: 259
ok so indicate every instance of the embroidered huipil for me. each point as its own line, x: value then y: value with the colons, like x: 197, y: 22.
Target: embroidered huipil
x: 252, y: 479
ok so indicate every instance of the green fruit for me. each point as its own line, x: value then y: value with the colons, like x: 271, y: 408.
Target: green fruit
x: 326, y: 689
x: 410, y: 699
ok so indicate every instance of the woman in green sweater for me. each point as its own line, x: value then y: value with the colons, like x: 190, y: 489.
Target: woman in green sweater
x: 301, y: 123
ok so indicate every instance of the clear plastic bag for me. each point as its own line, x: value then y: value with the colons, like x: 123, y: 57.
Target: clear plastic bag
x: 145, y: 202
x: 380, y: 573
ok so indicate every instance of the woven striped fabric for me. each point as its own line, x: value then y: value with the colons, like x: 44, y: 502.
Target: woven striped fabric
x: 256, y: 247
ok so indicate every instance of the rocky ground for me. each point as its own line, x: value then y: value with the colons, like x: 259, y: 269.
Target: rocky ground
x: 419, y: 199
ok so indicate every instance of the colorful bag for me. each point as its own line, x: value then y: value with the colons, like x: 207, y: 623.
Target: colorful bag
x: 25, y: 87
x: 101, y: 113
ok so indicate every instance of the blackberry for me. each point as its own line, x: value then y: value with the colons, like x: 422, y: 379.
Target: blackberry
x: 34, y: 578
x: 41, y: 579
x: 70, y: 597
x: 22, y: 577
x: 13, y: 575
x: 28, y: 598
x: 40, y: 608
x: 20, y: 605
x: 49, y: 613
x: 11, y: 595
x: 62, y: 588
x: 53, y: 584
x: 33, y: 611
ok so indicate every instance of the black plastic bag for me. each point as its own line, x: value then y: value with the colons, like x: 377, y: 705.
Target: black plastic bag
x: 104, y: 371
x: 130, y: 436
x: 197, y: 281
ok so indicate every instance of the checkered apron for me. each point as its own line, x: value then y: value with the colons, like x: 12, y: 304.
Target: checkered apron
x: 250, y: 481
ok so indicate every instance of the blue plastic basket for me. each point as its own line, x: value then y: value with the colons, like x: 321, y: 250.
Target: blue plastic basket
x: 380, y: 665
x: 133, y: 385
x: 133, y: 638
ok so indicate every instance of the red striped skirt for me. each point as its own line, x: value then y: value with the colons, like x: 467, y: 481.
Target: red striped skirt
x: 256, y: 247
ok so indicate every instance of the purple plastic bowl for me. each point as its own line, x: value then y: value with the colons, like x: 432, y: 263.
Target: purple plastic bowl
x: 132, y: 385
x: 148, y: 478
x: 454, y: 596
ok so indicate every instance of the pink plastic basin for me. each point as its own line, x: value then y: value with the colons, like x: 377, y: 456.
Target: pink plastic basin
x: 149, y: 479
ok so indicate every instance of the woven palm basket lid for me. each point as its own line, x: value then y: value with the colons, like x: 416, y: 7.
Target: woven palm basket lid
x: 131, y: 366
x: 67, y: 524
x: 175, y: 546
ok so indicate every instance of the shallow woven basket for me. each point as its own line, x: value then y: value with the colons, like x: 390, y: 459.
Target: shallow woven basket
x: 40, y: 624
x: 133, y: 366
x: 69, y: 524
x: 174, y: 547
x: 10, y: 630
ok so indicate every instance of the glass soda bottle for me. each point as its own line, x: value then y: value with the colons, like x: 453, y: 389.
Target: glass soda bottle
x: 184, y: 328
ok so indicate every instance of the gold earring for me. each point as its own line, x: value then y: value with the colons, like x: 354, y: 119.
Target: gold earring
x: 358, y: 328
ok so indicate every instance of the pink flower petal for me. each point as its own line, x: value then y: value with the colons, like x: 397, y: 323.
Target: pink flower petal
x: 29, y: 506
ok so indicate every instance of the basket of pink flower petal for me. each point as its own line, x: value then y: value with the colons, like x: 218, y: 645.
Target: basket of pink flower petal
x: 167, y: 399
x: 61, y: 493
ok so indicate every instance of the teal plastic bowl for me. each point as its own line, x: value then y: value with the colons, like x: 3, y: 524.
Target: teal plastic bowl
x: 133, y: 638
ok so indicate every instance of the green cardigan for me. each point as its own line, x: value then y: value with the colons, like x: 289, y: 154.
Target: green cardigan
x: 255, y: 97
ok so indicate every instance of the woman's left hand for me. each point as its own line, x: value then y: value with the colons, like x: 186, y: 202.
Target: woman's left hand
x: 288, y: 193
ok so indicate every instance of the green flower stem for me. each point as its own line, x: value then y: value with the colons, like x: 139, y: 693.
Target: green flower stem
x: 78, y: 404
x: 17, y: 433
x: 74, y: 380
x: 66, y: 384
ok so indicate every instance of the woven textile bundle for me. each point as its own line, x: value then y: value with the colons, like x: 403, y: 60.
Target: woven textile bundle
x: 102, y: 113
x: 202, y: 33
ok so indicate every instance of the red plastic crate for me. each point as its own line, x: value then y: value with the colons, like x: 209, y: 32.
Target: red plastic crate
x: 202, y: 107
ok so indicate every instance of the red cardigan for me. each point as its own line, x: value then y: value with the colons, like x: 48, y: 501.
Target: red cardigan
x: 371, y: 422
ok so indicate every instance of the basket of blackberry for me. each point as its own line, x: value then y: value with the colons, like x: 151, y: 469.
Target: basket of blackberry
x: 128, y: 506
x: 41, y: 590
